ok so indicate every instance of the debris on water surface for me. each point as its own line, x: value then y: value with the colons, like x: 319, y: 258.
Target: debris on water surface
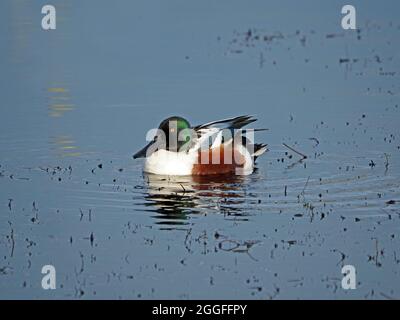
x: 5, y: 270
x: 237, y: 246
x: 295, y: 151
x: 372, y: 164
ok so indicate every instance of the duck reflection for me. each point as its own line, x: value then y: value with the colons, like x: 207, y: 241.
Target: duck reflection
x: 176, y: 198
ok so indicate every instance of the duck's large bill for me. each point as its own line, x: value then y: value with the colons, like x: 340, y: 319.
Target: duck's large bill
x: 142, y: 153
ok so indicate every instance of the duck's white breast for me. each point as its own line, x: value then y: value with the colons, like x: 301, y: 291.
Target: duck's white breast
x: 170, y: 163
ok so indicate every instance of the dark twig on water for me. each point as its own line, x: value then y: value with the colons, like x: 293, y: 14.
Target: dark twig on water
x: 386, y: 162
x: 238, y: 246
x: 387, y: 296
x: 292, y: 165
x: 304, y: 190
x: 343, y: 256
x: 12, y: 239
x: 295, y: 151
x: 377, y: 263
x: 187, y: 240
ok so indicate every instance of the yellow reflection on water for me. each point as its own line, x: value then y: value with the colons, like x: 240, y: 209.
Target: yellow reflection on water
x: 65, y: 146
x: 58, y: 104
x: 57, y: 90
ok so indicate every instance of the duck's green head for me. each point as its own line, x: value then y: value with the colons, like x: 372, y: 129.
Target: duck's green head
x: 174, y: 125
x: 174, y: 134
x: 177, y: 132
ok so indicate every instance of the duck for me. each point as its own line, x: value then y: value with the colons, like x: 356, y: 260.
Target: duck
x: 219, y: 147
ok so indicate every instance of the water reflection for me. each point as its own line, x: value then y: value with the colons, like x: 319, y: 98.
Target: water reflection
x: 59, y: 101
x: 65, y: 146
x: 22, y: 28
x: 176, y: 198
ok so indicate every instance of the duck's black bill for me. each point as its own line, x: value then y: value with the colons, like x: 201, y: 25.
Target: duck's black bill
x: 142, y: 153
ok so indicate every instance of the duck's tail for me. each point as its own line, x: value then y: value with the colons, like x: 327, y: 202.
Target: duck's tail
x: 259, y: 149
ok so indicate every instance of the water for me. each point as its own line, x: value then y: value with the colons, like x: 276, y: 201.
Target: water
x: 77, y: 102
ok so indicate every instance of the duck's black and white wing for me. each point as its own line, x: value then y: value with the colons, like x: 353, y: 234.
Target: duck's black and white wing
x: 211, y: 134
x: 230, y: 123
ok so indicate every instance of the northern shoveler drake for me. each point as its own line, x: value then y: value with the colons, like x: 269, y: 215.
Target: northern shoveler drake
x: 218, y: 147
